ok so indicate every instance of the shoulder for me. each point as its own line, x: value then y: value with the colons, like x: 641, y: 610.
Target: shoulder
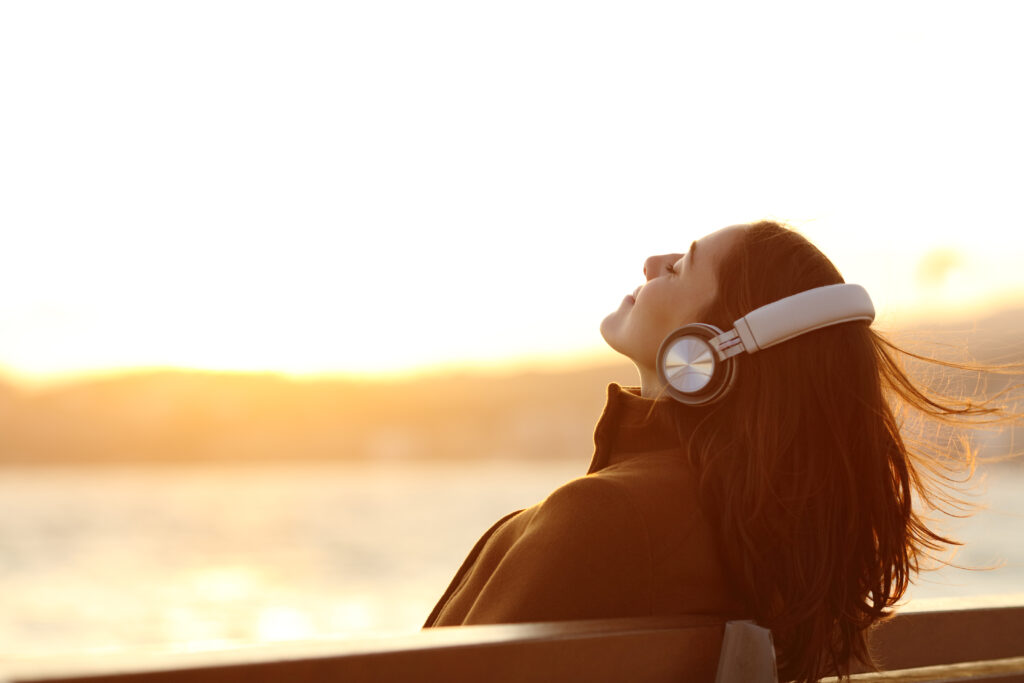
x: 593, y: 506
x: 590, y: 494
x: 584, y: 554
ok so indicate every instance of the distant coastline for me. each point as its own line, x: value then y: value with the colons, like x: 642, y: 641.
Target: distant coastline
x: 173, y: 416
x: 195, y: 416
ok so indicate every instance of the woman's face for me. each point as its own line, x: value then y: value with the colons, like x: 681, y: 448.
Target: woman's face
x: 678, y: 287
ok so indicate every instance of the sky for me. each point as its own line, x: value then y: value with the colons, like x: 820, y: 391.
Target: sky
x: 386, y: 187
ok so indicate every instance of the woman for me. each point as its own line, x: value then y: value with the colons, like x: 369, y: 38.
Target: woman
x: 786, y: 500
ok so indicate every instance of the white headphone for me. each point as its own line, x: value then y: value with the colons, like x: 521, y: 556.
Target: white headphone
x: 696, y: 361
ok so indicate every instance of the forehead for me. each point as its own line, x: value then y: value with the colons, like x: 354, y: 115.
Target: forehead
x: 715, y: 244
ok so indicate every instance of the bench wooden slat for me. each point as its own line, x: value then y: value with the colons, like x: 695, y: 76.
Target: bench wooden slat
x: 650, y: 650
x: 917, y: 639
x: 991, y: 671
x: 669, y: 650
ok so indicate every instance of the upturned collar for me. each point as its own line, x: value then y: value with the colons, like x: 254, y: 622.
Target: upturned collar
x: 631, y: 425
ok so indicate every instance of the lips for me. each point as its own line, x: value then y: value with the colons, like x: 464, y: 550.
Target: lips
x: 637, y: 291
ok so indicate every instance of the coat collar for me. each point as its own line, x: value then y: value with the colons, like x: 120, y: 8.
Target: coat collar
x: 632, y: 425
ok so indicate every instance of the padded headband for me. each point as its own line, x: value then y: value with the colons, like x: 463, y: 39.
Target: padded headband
x: 790, y: 317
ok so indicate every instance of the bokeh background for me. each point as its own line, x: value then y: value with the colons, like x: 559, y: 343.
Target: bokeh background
x: 296, y: 298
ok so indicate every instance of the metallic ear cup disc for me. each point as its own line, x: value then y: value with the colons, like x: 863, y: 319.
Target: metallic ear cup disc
x: 689, y: 364
x: 690, y: 367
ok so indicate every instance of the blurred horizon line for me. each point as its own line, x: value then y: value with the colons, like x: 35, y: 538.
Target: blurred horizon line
x: 994, y: 314
x: 520, y: 364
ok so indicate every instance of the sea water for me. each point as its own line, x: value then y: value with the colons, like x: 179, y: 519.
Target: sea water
x: 179, y: 557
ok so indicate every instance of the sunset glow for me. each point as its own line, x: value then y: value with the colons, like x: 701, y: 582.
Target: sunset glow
x: 382, y: 187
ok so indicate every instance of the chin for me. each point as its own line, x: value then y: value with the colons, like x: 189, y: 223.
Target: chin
x: 608, y: 329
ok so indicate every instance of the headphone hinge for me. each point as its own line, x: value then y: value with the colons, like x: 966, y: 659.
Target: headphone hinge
x: 728, y: 344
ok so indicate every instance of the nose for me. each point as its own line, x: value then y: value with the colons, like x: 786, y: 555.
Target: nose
x: 653, y: 266
x: 657, y: 265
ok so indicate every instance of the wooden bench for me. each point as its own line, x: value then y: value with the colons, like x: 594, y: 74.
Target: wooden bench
x: 967, y: 641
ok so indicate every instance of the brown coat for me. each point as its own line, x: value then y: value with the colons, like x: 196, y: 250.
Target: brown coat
x: 627, y: 539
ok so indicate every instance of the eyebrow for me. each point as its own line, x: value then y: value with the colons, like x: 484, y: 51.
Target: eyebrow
x: 693, y: 251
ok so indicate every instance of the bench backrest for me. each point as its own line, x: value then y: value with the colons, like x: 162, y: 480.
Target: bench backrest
x: 654, y: 650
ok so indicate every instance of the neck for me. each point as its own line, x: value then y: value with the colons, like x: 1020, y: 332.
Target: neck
x: 651, y: 385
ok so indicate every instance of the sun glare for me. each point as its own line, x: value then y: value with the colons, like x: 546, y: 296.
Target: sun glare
x: 351, y: 189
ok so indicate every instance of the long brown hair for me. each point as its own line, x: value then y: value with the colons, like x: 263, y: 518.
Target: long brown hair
x: 804, y: 468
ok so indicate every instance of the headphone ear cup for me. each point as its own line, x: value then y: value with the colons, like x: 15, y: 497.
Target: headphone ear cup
x: 689, y: 367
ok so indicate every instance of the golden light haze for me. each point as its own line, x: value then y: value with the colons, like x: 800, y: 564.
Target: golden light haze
x: 382, y: 187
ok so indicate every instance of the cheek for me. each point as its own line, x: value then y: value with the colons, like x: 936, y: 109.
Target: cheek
x: 662, y: 313
x: 652, y: 322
